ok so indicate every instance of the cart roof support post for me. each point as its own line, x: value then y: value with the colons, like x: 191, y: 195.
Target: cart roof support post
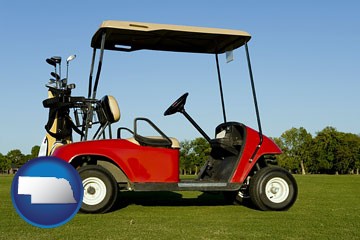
x: 253, y: 91
x: 255, y: 102
x: 91, y: 72
x: 220, y: 87
x: 100, y: 64
x: 89, y: 116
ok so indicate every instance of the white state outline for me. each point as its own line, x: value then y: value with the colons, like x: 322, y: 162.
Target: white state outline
x: 46, y: 190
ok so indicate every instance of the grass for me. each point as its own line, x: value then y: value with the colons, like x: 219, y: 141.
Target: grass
x: 328, y: 207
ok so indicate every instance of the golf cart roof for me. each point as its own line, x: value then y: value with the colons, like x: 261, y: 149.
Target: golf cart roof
x: 132, y: 36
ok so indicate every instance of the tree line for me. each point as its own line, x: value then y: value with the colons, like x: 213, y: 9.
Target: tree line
x: 14, y: 159
x: 329, y: 152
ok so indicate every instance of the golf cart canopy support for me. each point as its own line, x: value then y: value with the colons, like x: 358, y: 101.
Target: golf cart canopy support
x: 133, y: 36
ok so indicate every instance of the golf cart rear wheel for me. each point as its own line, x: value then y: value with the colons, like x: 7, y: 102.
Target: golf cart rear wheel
x: 273, y: 188
x: 100, y: 189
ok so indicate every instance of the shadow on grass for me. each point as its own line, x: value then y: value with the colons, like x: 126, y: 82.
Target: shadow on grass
x: 172, y: 199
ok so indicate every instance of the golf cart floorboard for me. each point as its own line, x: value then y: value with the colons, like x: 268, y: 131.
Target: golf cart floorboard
x: 187, y: 185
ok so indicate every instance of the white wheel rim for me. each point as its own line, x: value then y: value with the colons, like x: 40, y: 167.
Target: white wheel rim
x: 94, y: 191
x: 277, y: 190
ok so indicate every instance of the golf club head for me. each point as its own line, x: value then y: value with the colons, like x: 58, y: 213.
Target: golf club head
x: 51, y: 80
x: 70, y: 58
x: 56, y: 59
x: 51, y: 62
x: 63, y: 82
x: 71, y: 86
x: 55, y: 75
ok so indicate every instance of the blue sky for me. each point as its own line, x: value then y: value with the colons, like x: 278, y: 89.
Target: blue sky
x: 305, y: 58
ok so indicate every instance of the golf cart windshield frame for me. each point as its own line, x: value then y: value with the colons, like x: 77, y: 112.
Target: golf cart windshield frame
x: 133, y: 36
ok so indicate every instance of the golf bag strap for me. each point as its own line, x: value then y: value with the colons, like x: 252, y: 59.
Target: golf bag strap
x: 65, y: 132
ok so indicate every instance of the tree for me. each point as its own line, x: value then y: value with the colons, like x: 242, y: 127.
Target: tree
x: 193, y: 155
x: 295, y: 144
x: 356, y: 164
x: 5, y: 163
x: 35, y: 151
x: 185, y: 152
x: 201, y: 149
x: 16, y: 157
x: 329, y: 154
x: 349, y: 153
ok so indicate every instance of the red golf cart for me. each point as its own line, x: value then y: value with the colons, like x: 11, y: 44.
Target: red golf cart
x: 240, y: 164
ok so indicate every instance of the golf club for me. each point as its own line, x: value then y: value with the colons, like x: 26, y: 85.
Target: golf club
x: 57, y: 60
x: 69, y: 59
x: 51, y: 62
x: 55, y: 75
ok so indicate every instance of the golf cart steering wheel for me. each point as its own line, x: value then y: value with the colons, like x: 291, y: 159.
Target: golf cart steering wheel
x: 177, y: 106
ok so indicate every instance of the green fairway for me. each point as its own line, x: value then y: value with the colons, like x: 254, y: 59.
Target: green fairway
x: 328, y: 207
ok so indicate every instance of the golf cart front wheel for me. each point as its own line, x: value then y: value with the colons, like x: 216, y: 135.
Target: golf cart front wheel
x: 273, y: 188
x: 100, y: 189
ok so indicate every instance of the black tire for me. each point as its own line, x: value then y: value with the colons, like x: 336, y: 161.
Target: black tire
x: 273, y: 188
x: 100, y: 189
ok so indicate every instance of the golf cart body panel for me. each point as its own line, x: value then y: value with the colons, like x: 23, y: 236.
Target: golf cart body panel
x: 252, y: 152
x: 139, y: 163
x: 146, y: 164
x: 131, y: 36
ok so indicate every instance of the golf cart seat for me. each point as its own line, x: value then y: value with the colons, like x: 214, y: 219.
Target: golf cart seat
x: 153, y: 141
x: 108, y: 112
x: 110, y: 109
